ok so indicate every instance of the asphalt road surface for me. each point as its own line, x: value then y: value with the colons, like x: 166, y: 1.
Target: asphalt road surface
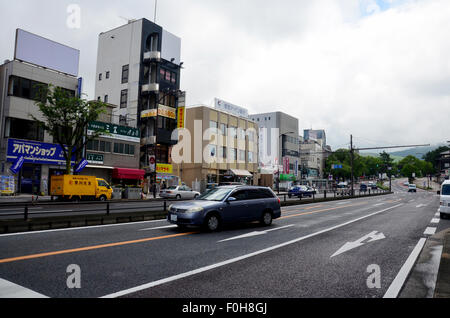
x: 355, y: 248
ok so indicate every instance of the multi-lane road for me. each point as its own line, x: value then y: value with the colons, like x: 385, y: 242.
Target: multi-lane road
x: 356, y: 248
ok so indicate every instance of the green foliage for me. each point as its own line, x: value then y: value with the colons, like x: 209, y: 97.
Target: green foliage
x: 432, y: 157
x: 65, y: 118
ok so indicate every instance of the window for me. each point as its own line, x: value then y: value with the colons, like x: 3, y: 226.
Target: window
x: 124, y: 149
x: 102, y: 183
x: 241, y: 155
x: 107, y: 75
x: 240, y: 195
x: 123, y: 98
x: 100, y: 146
x: 100, y: 76
x: 213, y: 124
x: 24, y: 129
x: 106, y: 99
x: 174, y: 78
x: 232, y: 131
x: 223, y: 152
x: 250, y: 157
x: 25, y: 88
x: 162, y: 74
x: 241, y: 134
x: 125, y: 74
x: 233, y: 154
x: 212, y: 150
x: 223, y: 129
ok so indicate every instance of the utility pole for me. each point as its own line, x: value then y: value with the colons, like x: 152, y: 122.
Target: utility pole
x: 352, y: 158
x: 156, y: 7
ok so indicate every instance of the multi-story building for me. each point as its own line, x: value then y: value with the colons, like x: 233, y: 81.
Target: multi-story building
x: 232, y: 156
x: 286, y: 160
x: 20, y: 135
x: 138, y: 68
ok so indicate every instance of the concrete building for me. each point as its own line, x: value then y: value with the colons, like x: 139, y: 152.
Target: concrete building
x: 232, y: 157
x: 138, y: 69
x: 287, y: 158
x: 19, y: 133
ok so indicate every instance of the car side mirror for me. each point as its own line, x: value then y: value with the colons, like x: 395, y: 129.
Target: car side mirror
x: 231, y: 199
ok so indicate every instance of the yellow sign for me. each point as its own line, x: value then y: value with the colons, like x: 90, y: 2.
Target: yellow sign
x: 166, y: 111
x: 163, y: 168
x: 181, y: 117
x: 149, y: 113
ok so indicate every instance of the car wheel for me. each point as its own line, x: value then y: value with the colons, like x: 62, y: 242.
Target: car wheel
x: 212, y: 223
x: 178, y: 197
x: 267, y: 218
x: 196, y: 197
x: 103, y: 198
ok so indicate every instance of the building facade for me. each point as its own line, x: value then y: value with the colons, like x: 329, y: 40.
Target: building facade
x: 286, y: 160
x: 138, y: 69
x: 20, y: 136
x: 230, y: 156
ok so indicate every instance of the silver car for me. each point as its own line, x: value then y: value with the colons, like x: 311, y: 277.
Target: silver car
x: 179, y: 192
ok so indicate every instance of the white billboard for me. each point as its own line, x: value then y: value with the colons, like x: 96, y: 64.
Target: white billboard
x: 40, y: 51
x: 171, y: 47
x: 230, y: 108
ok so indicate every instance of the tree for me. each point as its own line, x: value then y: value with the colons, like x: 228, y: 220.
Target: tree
x: 433, y: 158
x: 65, y: 118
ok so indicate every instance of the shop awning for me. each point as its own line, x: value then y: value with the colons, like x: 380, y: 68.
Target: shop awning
x: 130, y: 174
x: 241, y: 173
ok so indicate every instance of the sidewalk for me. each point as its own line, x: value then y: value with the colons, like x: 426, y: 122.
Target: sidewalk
x: 434, y: 185
x: 443, y: 280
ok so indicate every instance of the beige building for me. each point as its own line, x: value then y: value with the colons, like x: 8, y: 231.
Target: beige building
x: 231, y: 157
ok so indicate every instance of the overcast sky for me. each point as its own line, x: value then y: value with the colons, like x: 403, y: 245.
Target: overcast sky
x: 377, y: 69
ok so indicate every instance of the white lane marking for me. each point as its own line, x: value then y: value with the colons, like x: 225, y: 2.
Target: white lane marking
x: 430, y: 231
x: 237, y: 259
x: 11, y: 290
x: 421, y: 206
x: 81, y: 228
x: 160, y: 228
x: 437, y: 214
x: 340, y: 203
x: 374, y: 236
x: 401, y: 277
x: 256, y: 233
x: 435, y: 221
x: 379, y: 204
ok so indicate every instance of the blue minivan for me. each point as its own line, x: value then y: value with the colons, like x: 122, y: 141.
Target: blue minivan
x: 227, y: 204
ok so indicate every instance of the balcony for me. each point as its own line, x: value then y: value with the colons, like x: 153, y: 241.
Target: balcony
x: 152, y: 56
x: 149, y: 88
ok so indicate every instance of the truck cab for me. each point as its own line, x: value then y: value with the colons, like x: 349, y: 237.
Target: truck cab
x: 444, y: 207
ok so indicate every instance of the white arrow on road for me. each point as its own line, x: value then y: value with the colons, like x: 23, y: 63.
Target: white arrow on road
x: 372, y: 237
x: 256, y: 233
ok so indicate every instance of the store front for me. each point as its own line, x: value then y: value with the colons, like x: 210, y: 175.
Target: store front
x: 30, y: 179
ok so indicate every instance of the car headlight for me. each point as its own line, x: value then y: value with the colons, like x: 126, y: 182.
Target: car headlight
x: 195, y: 210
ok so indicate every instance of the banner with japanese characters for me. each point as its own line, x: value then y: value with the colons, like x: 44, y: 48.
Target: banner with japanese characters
x: 36, y: 152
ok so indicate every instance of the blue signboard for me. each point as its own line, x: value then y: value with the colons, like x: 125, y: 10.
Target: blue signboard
x: 83, y: 163
x: 15, y: 168
x: 36, y: 152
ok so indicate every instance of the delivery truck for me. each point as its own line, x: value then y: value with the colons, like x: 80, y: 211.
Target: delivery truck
x: 80, y: 188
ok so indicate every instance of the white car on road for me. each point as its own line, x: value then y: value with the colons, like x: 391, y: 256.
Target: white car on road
x: 179, y: 192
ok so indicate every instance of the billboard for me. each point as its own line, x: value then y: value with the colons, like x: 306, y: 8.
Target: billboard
x: 230, y: 108
x: 35, y: 152
x: 171, y: 47
x: 39, y: 51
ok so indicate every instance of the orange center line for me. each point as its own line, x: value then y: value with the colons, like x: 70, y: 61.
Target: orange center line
x: 90, y: 248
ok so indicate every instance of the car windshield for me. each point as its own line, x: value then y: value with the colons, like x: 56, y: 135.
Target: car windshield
x: 446, y: 189
x: 172, y: 188
x: 216, y: 194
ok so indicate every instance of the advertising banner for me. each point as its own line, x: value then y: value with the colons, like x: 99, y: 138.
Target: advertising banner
x: 80, y: 167
x: 7, y: 185
x: 166, y: 111
x: 15, y: 168
x: 163, y: 168
x: 181, y: 113
x: 36, y: 152
x: 116, y: 132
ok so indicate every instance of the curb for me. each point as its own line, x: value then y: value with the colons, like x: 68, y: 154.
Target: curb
x: 443, y: 281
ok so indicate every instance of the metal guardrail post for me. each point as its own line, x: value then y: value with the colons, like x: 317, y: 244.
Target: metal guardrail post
x: 107, y: 209
x: 165, y: 206
x: 325, y: 194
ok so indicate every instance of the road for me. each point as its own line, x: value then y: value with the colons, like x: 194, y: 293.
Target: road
x: 354, y: 248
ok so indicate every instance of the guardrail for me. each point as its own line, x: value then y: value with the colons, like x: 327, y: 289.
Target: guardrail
x: 331, y: 194
x: 26, y: 209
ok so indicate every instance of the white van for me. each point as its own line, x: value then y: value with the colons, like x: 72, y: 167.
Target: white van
x: 444, y: 208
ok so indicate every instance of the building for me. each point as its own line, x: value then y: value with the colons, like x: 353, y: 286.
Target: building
x: 444, y: 161
x: 286, y: 158
x: 114, y: 157
x: 20, y: 136
x: 138, y: 69
x: 230, y: 156
x: 318, y: 135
